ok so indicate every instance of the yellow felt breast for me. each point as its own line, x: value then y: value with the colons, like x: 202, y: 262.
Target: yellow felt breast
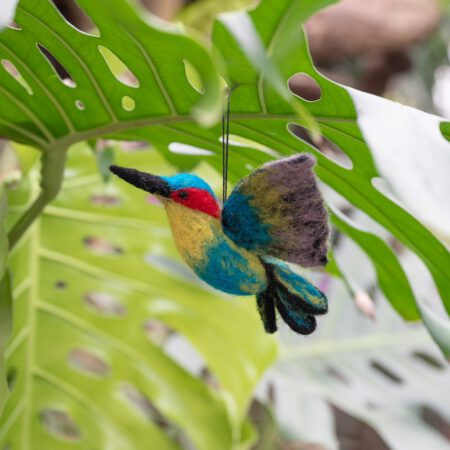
x: 192, y: 230
x: 212, y: 255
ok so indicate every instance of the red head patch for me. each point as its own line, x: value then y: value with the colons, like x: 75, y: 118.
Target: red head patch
x: 197, y: 199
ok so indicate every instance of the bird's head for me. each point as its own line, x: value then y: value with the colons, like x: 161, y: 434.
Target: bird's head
x: 184, y: 188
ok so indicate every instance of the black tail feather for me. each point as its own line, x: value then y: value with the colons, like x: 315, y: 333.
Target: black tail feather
x: 298, y: 321
x: 266, y: 307
x: 289, y: 305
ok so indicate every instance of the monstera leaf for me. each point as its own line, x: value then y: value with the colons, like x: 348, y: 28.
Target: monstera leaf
x: 386, y: 373
x: 100, y: 304
x: 90, y: 101
x: 139, y: 79
x: 263, y: 122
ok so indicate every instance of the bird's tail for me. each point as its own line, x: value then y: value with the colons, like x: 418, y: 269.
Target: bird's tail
x: 295, y: 298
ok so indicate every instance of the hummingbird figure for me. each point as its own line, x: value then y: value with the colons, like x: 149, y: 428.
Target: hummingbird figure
x: 273, y: 216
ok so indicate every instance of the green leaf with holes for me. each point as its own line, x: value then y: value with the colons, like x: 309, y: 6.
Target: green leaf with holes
x: 264, y: 126
x: 128, y: 80
x: 260, y: 117
x: 146, y: 65
x: 260, y: 114
x: 101, y: 303
x: 63, y: 86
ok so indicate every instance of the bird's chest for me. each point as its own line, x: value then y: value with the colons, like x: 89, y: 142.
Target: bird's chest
x: 213, y: 256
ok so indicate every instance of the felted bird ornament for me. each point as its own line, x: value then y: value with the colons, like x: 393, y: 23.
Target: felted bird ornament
x: 276, y: 214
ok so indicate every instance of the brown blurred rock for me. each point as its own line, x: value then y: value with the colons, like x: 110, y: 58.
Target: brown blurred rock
x: 353, y: 28
x: 374, y: 35
x: 165, y: 9
x: 379, y: 68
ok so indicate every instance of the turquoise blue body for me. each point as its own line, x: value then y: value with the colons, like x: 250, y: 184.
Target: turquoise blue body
x: 239, y: 204
x: 229, y: 270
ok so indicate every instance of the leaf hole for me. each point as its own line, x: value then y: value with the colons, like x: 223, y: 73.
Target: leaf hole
x: 89, y: 363
x: 134, y: 146
x: 142, y: 404
x: 386, y: 372
x: 355, y: 434
x: 185, y: 149
x: 305, y: 87
x: 239, y: 141
x: 15, y: 73
x: 158, y: 332
x: 337, y: 375
x: 76, y: 17
x: 14, y: 25
x: 101, y: 246
x: 325, y: 146
x: 104, y: 304
x: 58, y: 68
x: 429, y: 360
x: 372, y: 405
x: 118, y: 68
x: 80, y: 105
x: 105, y: 200
x: 193, y: 77
x: 383, y: 186
x: 209, y: 378
x: 60, y: 285
x: 11, y: 377
x: 60, y: 425
x: 128, y: 104
x: 436, y: 420
x: 185, y: 354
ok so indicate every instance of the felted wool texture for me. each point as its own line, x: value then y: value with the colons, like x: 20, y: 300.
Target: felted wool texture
x: 297, y: 320
x: 266, y: 307
x: 290, y: 293
x: 271, y: 214
x: 211, y: 254
x: 304, y: 294
x: 278, y: 210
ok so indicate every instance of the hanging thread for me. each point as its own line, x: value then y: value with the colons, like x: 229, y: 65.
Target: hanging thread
x: 225, y: 142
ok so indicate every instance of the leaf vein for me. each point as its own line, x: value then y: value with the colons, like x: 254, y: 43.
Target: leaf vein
x: 53, y: 99
x: 80, y: 60
x: 29, y: 113
x: 155, y: 72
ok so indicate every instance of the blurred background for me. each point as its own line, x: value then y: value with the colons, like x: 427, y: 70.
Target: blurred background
x: 365, y: 380
x: 398, y: 49
x: 394, y: 48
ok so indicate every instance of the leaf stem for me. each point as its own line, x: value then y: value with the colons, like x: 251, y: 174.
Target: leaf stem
x: 52, y: 171
x: 5, y: 332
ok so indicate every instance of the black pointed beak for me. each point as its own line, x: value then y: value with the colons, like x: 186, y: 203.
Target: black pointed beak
x: 142, y: 180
